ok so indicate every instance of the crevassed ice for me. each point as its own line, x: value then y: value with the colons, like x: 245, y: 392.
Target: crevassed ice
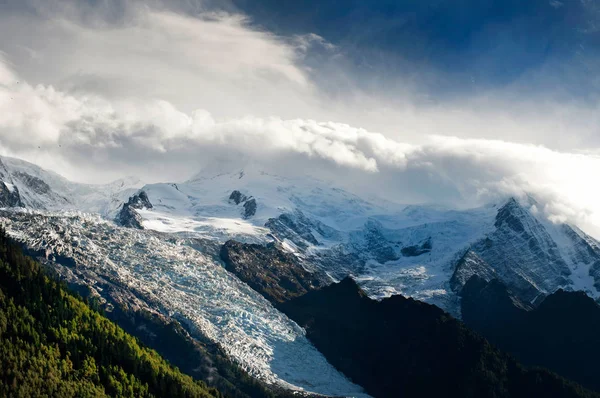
x: 192, y: 286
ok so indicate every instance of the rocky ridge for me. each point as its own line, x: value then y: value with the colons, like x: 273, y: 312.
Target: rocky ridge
x: 128, y: 216
x: 559, y: 334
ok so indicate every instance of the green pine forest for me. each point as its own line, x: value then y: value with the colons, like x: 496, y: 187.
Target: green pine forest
x: 53, y: 344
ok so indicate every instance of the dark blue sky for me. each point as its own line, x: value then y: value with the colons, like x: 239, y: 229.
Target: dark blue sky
x: 453, y: 45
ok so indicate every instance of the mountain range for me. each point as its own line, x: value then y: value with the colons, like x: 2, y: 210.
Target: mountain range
x: 222, y: 253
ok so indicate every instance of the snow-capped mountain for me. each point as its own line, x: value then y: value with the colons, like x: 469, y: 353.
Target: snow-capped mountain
x: 389, y: 247
x: 41, y: 189
x: 534, y: 257
x: 161, y: 241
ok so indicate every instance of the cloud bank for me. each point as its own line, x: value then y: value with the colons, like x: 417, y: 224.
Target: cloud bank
x: 162, y: 95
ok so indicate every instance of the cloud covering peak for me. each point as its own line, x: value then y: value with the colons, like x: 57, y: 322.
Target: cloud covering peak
x: 163, y: 94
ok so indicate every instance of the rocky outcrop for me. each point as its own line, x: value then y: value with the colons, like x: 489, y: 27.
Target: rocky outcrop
x: 249, y: 202
x: 275, y: 274
x: 586, y: 252
x: 128, y: 216
x: 561, y: 334
x: 9, y: 195
x: 140, y: 201
x: 33, y: 183
x: 371, y: 242
x: 400, y: 347
x: 237, y: 197
x: 468, y: 266
x: 293, y: 226
x: 249, y: 208
x: 417, y: 250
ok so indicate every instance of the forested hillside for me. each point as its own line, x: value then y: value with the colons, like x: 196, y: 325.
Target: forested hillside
x: 53, y: 344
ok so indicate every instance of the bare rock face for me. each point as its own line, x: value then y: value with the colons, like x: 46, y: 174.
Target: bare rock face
x: 9, y: 193
x: 237, y: 197
x: 293, y: 226
x: 249, y: 202
x: 275, y: 274
x: 250, y: 208
x: 371, y: 240
x: 140, y: 201
x: 523, y: 254
x: 35, y: 184
x: 468, y: 266
x: 9, y: 196
x: 128, y: 216
x: 417, y: 250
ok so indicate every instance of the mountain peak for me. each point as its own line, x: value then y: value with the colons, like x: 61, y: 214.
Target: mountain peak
x: 511, y: 215
x: 566, y: 301
x: 348, y: 284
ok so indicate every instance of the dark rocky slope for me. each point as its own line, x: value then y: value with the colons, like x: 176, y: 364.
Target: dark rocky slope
x: 561, y: 334
x: 470, y: 264
x: 400, y: 347
x: 128, y: 217
x: 275, y: 274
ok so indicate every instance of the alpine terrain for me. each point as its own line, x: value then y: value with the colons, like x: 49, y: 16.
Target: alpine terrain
x: 222, y: 254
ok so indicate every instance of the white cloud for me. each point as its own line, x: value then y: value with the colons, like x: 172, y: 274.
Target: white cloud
x: 7, y: 76
x: 109, y: 139
x: 161, y: 95
x: 211, y: 60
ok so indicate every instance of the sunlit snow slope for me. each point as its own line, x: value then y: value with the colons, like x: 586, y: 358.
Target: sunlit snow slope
x: 391, y: 248
x: 45, y: 190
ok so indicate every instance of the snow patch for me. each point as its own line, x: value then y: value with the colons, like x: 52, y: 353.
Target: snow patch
x: 9, y: 186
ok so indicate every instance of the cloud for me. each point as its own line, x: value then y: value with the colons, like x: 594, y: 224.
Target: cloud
x: 7, y: 76
x: 207, y: 60
x: 109, y: 139
x: 161, y: 94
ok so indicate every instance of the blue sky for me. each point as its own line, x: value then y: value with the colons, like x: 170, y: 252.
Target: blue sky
x: 454, y: 47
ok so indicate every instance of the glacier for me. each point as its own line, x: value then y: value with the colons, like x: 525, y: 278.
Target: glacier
x: 182, y: 283
x: 171, y: 265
